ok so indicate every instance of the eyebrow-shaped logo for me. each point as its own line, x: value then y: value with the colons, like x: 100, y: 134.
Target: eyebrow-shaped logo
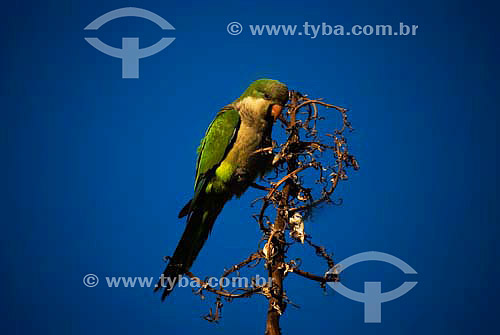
x: 373, y: 297
x: 130, y: 52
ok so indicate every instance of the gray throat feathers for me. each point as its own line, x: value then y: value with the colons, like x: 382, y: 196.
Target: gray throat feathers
x: 252, y: 132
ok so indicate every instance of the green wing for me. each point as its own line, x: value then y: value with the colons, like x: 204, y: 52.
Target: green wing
x: 213, y: 148
x: 217, y: 142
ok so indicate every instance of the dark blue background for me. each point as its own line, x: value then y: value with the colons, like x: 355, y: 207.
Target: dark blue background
x: 95, y: 167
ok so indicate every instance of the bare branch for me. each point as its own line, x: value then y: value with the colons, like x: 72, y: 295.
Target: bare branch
x: 289, y: 201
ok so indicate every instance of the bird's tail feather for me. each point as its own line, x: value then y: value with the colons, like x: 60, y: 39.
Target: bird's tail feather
x: 199, y: 225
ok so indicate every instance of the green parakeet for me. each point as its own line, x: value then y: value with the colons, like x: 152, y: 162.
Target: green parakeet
x: 226, y: 166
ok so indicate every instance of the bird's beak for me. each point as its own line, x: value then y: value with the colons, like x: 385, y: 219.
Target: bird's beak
x: 276, y: 111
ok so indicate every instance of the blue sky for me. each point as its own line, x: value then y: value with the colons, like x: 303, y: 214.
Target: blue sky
x: 96, y: 167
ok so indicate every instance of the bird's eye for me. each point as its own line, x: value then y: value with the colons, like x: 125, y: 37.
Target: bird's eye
x: 267, y: 96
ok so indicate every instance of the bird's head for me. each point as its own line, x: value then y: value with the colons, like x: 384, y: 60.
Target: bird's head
x: 266, y: 96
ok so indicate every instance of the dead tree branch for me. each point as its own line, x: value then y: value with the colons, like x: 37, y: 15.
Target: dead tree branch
x: 308, y: 152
